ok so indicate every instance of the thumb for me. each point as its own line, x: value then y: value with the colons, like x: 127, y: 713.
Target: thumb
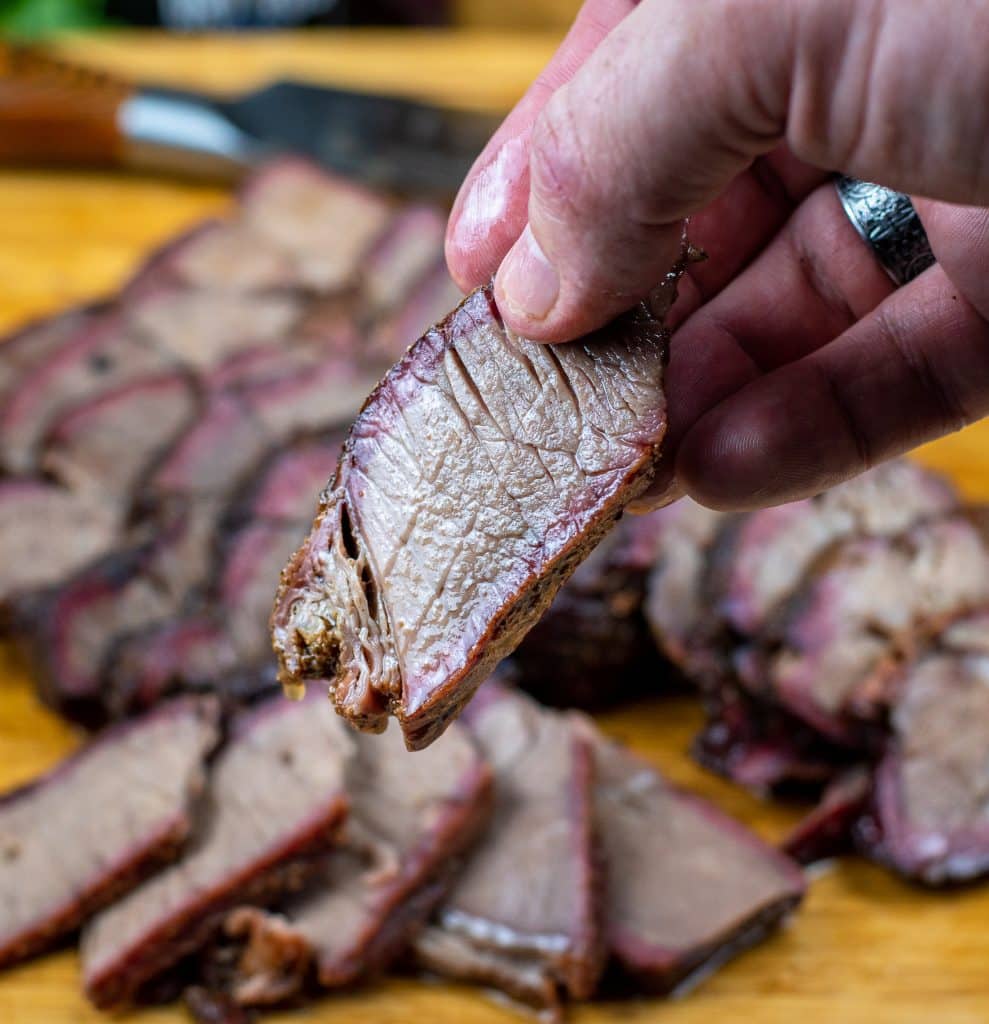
x: 610, y: 183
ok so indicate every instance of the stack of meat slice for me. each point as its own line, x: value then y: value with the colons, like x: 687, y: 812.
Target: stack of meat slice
x: 139, y: 547
x: 837, y: 640
x: 523, y: 850
x: 596, y: 872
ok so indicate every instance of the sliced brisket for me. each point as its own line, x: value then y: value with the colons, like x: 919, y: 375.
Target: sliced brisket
x: 764, y: 555
x: 80, y: 836
x: 761, y: 746
x: 275, y: 798
x: 593, y: 647
x: 481, y: 471
x: 30, y: 346
x: 839, y: 640
x: 527, y: 904
x: 827, y: 830
x: 676, y: 605
x: 104, y: 445
x: 411, y: 816
x: 100, y: 356
x: 929, y: 815
x: 324, y: 225
x: 687, y: 885
x: 47, y: 534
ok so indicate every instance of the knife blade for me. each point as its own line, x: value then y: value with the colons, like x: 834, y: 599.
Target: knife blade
x: 54, y: 112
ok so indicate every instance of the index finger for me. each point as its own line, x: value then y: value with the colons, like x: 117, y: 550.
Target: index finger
x: 491, y: 208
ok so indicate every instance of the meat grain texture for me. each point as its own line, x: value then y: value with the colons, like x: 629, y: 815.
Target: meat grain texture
x: 480, y: 472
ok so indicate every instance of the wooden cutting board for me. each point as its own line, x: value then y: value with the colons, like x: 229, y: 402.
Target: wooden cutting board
x: 866, y: 948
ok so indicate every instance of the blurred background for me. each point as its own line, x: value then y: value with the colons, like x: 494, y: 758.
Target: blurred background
x: 34, y: 18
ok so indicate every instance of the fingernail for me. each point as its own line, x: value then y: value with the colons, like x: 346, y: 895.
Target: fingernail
x: 528, y: 282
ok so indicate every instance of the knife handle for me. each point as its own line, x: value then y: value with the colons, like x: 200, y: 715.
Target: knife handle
x: 57, y: 113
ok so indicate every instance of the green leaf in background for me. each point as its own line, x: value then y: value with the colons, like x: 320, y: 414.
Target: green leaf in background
x: 29, y: 19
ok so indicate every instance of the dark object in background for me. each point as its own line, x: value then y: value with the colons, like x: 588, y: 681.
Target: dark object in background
x: 593, y: 648
x: 217, y: 14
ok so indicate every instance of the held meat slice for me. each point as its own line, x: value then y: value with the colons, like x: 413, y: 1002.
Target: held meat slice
x: 688, y: 886
x: 80, y: 836
x: 528, y: 901
x: 481, y: 471
x: 411, y: 817
x: 276, y: 798
x: 837, y: 645
x: 929, y: 816
x: 763, y: 557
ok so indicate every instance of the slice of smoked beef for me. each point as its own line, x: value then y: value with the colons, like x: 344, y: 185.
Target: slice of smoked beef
x: 838, y: 642
x: 676, y: 606
x: 252, y: 560
x: 208, y: 458
x: 928, y: 820
x: 285, y: 486
x: 593, y: 648
x: 30, y: 346
x: 410, y: 247
x: 75, y: 625
x: 276, y: 799
x: 190, y: 653
x: 687, y: 885
x: 102, y: 356
x: 325, y: 394
x: 827, y: 830
x: 481, y: 471
x: 528, y: 901
x: 48, y: 534
x: 199, y: 329
x: 411, y: 817
x: 763, y: 747
x: 105, y: 444
x: 325, y: 225
x: 92, y: 828
x: 765, y: 555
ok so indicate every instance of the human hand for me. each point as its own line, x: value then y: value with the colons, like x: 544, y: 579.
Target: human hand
x: 795, y: 362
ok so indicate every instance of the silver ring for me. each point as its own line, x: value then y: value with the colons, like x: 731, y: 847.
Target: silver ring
x: 889, y: 225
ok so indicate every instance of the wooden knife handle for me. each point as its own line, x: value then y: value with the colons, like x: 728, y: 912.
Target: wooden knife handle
x: 55, y: 112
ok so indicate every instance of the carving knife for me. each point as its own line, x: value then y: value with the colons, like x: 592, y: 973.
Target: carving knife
x: 54, y: 112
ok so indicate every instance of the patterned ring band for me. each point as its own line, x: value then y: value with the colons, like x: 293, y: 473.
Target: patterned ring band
x: 889, y: 225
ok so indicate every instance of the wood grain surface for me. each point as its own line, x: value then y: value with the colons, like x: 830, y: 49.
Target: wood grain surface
x: 866, y: 948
